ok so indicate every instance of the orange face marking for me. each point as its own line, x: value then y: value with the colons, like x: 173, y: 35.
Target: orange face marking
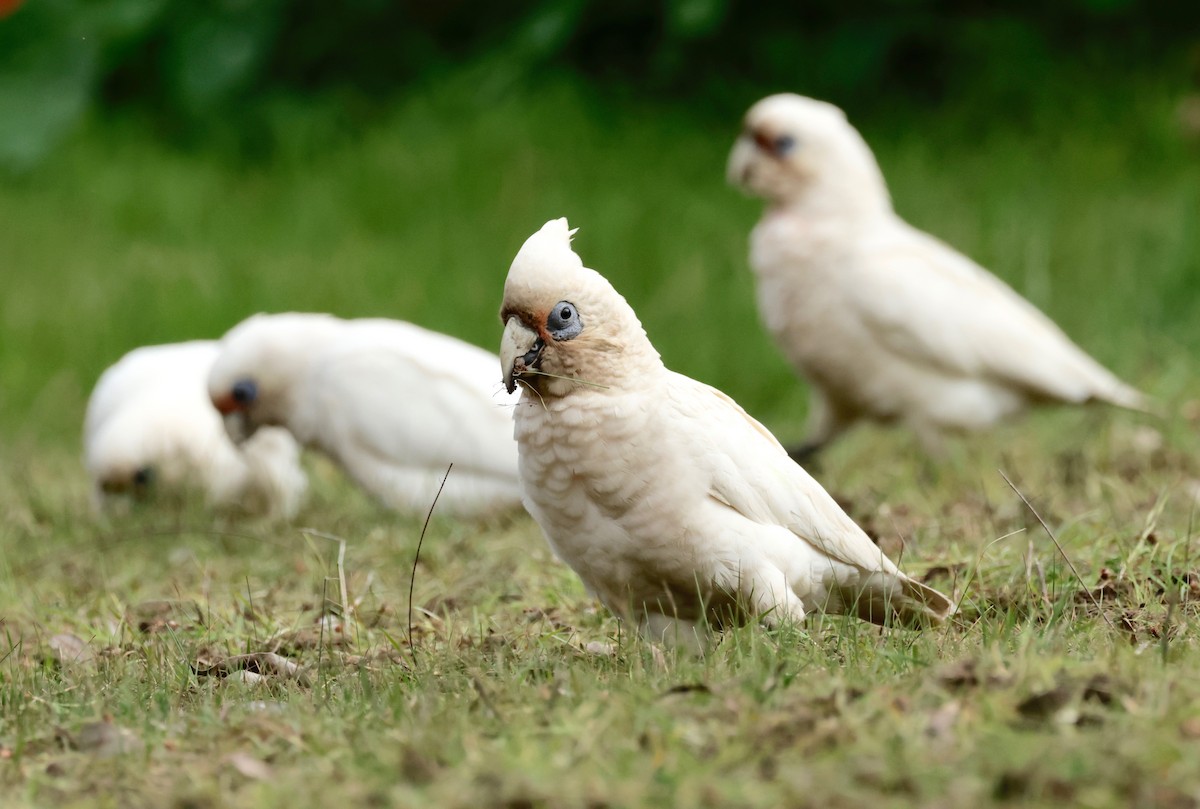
x: 762, y: 140
x: 535, y: 321
x: 225, y: 404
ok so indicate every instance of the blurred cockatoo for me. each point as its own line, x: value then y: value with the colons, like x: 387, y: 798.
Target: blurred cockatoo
x: 392, y: 403
x: 672, y: 504
x: 150, y: 427
x: 887, y: 323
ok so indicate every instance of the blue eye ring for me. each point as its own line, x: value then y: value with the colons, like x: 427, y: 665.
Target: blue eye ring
x: 564, y: 322
x: 244, y: 391
x: 783, y: 145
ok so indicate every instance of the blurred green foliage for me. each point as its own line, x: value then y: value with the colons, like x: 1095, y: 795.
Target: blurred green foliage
x: 193, y: 63
x: 1087, y: 205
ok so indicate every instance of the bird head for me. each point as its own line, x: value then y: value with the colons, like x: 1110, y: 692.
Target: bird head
x: 129, y: 480
x: 797, y: 149
x: 252, y: 381
x: 565, y: 327
x: 139, y: 454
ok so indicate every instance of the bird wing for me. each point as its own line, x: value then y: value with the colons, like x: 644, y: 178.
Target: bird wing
x: 411, y: 406
x: 750, y: 471
x: 933, y: 306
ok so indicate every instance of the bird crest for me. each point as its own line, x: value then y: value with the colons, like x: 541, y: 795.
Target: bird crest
x: 545, y: 256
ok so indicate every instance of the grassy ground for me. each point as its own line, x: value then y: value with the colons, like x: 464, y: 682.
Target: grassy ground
x: 119, y: 683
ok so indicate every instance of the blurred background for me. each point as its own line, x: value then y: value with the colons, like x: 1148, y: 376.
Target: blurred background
x: 168, y: 167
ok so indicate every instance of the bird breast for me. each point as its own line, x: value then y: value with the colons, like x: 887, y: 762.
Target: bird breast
x: 606, y: 479
x: 802, y: 270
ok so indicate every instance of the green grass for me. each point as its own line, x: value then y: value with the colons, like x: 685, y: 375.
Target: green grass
x: 122, y: 241
x: 496, y: 699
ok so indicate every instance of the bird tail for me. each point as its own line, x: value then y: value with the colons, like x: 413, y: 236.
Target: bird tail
x: 895, y: 599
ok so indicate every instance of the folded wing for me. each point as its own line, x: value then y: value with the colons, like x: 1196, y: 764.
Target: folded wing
x: 937, y: 309
x: 752, y: 474
x: 398, y: 416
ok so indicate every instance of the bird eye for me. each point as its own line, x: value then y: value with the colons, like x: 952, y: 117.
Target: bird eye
x: 244, y: 391
x: 563, y: 323
x: 783, y: 145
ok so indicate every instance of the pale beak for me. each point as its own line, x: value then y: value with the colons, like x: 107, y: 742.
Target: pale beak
x: 238, y: 426
x: 739, y: 161
x: 519, y: 350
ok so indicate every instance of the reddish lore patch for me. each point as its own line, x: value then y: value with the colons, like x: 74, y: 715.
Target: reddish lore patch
x: 224, y: 404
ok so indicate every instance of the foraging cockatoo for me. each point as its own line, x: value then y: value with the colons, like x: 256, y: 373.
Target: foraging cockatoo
x: 887, y: 323
x: 391, y: 402
x: 670, y: 502
x: 150, y: 426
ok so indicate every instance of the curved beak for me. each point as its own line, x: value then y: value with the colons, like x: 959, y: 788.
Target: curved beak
x: 520, y: 348
x: 741, y: 159
x: 238, y: 426
x: 233, y: 414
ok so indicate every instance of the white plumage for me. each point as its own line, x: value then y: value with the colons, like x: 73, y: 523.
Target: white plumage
x: 392, y: 403
x: 887, y: 323
x: 669, y: 501
x: 150, y: 427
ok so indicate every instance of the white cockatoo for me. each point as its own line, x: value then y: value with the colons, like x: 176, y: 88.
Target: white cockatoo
x: 392, y: 403
x: 150, y: 427
x: 672, y: 504
x: 886, y: 322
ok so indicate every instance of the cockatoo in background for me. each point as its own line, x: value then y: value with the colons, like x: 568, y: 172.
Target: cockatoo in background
x: 672, y: 504
x: 150, y: 427
x: 887, y: 323
x: 392, y: 403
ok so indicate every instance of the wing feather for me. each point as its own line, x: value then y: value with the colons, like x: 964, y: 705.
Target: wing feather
x: 936, y: 308
x: 752, y: 473
x: 415, y: 399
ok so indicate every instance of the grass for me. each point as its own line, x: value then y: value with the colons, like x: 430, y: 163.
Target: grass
x: 514, y: 688
x: 122, y: 241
